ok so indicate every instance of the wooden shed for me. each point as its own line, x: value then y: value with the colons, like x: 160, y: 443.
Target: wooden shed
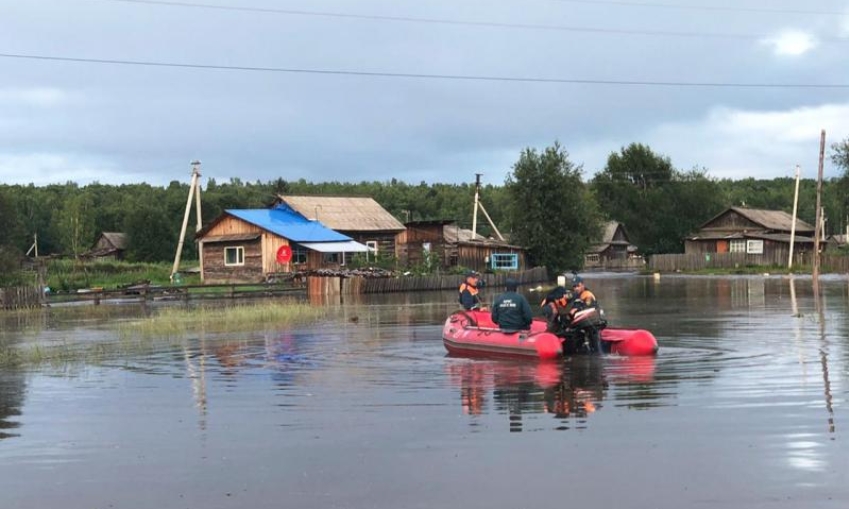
x: 248, y: 245
x: 109, y: 245
x: 752, y: 231
x: 615, y: 250
x: 361, y: 218
x: 456, y: 246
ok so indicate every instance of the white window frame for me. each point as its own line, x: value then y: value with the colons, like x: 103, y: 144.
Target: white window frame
x: 372, y: 245
x: 240, y: 256
x: 737, y: 246
x: 755, y: 246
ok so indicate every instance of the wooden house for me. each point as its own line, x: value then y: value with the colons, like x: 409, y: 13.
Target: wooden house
x: 362, y: 219
x: 614, y: 251
x: 109, y: 245
x: 248, y: 245
x: 836, y: 242
x: 751, y: 231
x: 455, y: 246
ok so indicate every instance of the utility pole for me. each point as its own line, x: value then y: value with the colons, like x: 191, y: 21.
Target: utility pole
x: 194, y: 190
x: 818, y: 226
x: 34, y: 245
x: 475, y: 210
x: 478, y: 204
x: 793, y: 225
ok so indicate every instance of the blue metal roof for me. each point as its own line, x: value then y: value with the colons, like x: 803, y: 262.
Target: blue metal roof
x: 287, y: 223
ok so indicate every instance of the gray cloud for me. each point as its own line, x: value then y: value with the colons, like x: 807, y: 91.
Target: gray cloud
x: 114, y: 123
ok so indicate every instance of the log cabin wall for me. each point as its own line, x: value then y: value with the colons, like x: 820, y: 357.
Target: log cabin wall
x: 385, y: 240
x: 215, y: 270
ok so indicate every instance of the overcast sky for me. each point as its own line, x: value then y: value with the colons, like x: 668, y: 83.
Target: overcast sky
x: 419, y: 90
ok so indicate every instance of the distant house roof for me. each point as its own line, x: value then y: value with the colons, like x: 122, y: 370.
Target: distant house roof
x: 344, y: 213
x: 453, y: 234
x: 113, y: 240
x: 774, y: 220
x: 283, y: 222
x: 608, y: 238
x: 839, y: 239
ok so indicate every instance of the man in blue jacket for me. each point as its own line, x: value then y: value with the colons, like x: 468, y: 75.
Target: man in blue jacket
x: 511, y: 310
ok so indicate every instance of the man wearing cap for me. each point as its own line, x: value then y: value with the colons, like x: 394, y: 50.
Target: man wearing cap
x: 583, y: 297
x: 469, y: 294
x: 511, y: 310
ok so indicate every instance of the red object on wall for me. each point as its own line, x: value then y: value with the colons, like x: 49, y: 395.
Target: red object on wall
x: 284, y: 254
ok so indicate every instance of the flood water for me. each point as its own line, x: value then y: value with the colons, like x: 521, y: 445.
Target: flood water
x: 745, y: 406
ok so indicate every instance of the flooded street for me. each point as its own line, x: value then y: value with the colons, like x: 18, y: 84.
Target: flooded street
x: 744, y: 407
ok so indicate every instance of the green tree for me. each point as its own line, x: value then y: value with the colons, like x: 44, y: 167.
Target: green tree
x: 8, y: 232
x: 150, y: 235
x: 658, y: 204
x: 76, y: 222
x: 840, y: 157
x: 549, y: 209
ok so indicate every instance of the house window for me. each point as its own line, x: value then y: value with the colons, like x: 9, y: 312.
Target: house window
x: 505, y: 261
x: 372, y: 245
x: 334, y: 258
x: 234, y: 256
x: 592, y: 257
x: 299, y: 255
x: 755, y: 246
x: 737, y: 246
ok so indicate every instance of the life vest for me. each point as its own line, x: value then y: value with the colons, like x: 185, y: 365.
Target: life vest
x: 587, y: 297
x: 473, y: 290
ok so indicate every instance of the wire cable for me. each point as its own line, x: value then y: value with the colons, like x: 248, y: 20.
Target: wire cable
x: 426, y: 76
x: 663, y: 5
x: 450, y: 22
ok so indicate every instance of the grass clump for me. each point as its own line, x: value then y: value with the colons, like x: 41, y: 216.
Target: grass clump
x: 165, y: 328
x: 177, y: 322
x: 69, y: 275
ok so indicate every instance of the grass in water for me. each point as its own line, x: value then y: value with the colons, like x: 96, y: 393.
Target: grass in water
x: 167, y: 327
x: 173, y: 322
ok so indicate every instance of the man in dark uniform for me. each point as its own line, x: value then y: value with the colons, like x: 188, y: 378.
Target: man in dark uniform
x: 511, y: 310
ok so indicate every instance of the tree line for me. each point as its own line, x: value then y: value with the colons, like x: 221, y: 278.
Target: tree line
x: 544, y: 204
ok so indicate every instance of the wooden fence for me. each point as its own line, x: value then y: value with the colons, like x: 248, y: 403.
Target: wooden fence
x: 704, y: 261
x: 144, y: 293
x: 21, y: 297
x: 327, y: 285
x: 450, y: 282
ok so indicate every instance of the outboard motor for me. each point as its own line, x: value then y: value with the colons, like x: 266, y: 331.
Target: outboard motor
x: 584, y: 331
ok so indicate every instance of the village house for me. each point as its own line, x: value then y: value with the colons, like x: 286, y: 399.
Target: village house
x: 751, y: 231
x: 248, y: 245
x: 835, y: 242
x: 360, y: 218
x: 615, y: 250
x: 109, y: 245
x: 455, y: 246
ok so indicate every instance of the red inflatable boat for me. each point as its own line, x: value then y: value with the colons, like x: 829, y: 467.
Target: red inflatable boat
x: 474, y: 333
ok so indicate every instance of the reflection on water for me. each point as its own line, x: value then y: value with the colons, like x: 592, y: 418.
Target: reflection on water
x: 12, y: 387
x: 742, y: 407
x: 570, y: 391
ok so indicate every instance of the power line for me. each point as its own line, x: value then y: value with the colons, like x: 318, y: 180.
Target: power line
x: 662, y: 5
x: 451, y: 22
x: 453, y: 77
